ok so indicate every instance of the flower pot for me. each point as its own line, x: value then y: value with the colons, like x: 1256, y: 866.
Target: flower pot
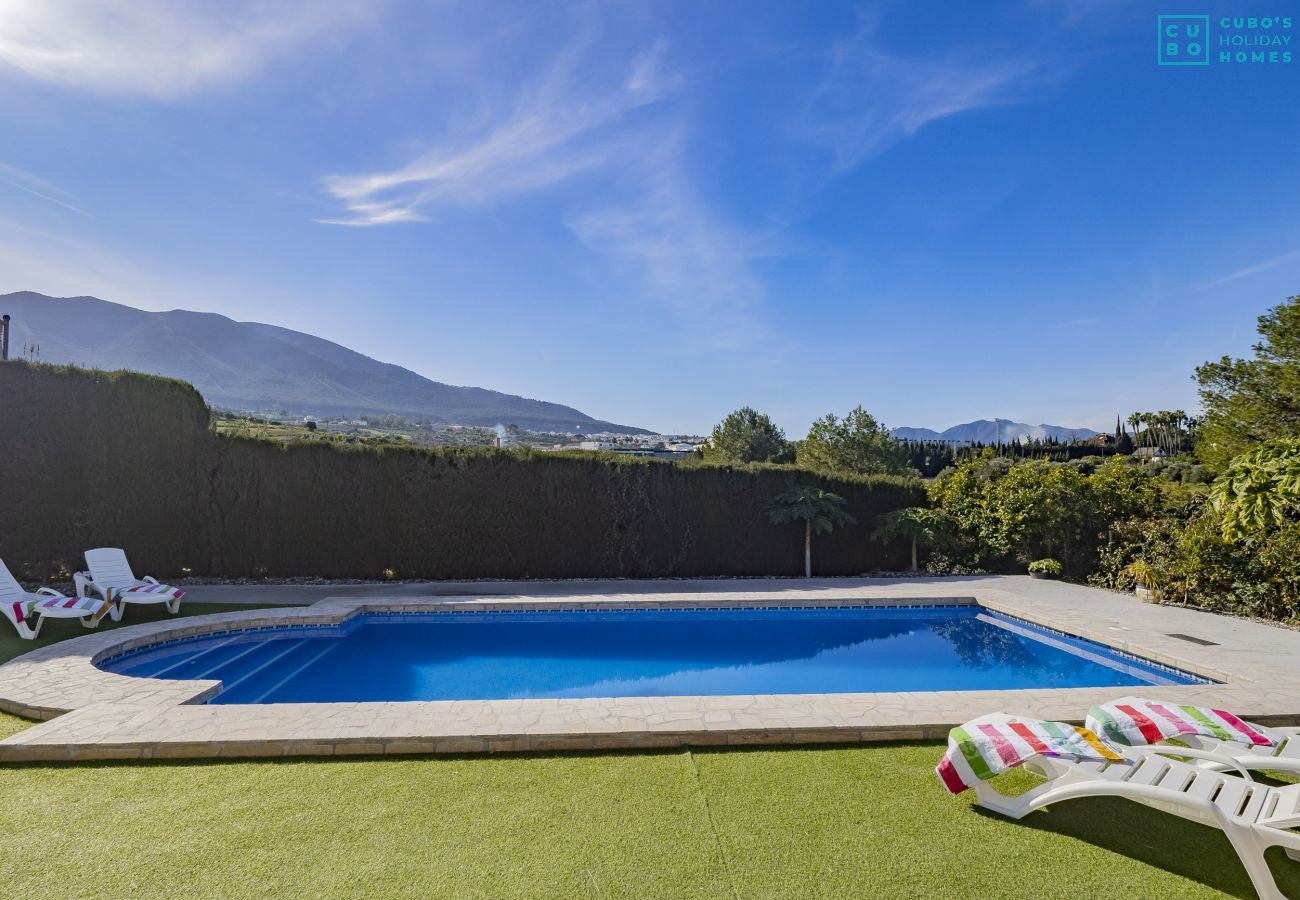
x: 1037, y: 574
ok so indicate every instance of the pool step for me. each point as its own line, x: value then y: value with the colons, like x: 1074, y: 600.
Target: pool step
x: 219, y: 668
x: 270, y: 653
x: 295, y: 672
x: 175, y: 669
x: 182, y: 660
x: 276, y: 663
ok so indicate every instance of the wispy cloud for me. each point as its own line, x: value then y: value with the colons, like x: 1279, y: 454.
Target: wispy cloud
x: 1273, y: 263
x: 554, y: 130
x: 1103, y: 13
x: 693, y: 262
x: 872, y: 98
x: 37, y: 187
x: 1074, y: 323
x: 159, y: 48
x: 639, y: 210
x: 57, y: 263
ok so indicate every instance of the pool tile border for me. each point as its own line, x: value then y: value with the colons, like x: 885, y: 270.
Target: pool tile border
x: 100, y: 715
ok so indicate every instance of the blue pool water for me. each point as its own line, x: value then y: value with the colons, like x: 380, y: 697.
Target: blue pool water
x: 638, y: 653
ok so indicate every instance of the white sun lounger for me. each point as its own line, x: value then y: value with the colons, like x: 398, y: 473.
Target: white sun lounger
x: 1254, y: 816
x: 22, y: 608
x: 111, y: 577
x: 1284, y: 756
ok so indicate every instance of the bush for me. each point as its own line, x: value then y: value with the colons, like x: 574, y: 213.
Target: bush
x: 1179, y: 470
x: 1007, y: 514
x: 1183, y: 555
x: 121, y: 459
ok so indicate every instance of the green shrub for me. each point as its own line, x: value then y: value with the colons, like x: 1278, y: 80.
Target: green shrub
x: 1007, y: 513
x: 121, y: 459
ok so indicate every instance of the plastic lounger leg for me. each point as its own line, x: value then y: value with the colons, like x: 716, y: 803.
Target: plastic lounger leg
x: 1289, y: 841
x: 26, y: 631
x: 1250, y: 849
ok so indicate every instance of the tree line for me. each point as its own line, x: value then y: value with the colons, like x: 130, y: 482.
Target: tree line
x: 859, y: 444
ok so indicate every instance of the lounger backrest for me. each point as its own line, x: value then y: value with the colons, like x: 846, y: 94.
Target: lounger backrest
x: 108, y: 566
x: 10, y: 590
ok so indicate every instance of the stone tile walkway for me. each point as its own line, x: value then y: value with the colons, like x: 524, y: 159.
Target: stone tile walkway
x: 100, y: 715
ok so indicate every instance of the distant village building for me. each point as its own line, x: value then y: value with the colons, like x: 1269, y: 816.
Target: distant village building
x: 659, y: 452
x: 1150, y: 453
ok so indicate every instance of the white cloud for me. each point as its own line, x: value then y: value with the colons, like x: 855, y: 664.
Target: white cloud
x: 63, y: 264
x: 553, y: 130
x: 873, y: 99
x: 644, y: 215
x: 1075, y: 323
x: 695, y: 264
x: 59, y: 264
x: 158, y: 48
x: 1273, y: 263
x: 37, y: 187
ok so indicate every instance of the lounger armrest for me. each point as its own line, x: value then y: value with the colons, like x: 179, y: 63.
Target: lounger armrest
x: 84, y: 585
x: 51, y: 592
x: 150, y: 579
x: 1189, y: 753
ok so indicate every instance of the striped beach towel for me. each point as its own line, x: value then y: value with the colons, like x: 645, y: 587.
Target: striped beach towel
x: 23, y: 609
x: 992, y: 744
x: 1135, y: 722
x: 147, y: 588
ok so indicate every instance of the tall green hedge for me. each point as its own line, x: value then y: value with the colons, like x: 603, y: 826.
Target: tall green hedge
x: 92, y: 459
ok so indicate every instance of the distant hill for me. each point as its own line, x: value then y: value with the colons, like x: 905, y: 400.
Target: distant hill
x: 249, y: 366
x: 989, y: 431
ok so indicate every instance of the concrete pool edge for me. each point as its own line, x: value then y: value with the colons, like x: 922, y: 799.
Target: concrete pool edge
x: 108, y: 716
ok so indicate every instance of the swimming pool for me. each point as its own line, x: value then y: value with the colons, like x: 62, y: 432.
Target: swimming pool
x: 646, y: 652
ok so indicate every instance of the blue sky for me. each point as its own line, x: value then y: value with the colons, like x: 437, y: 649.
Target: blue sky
x: 661, y: 212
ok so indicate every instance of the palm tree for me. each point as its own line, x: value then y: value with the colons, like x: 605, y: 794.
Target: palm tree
x: 914, y: 523
x: 819, y: 510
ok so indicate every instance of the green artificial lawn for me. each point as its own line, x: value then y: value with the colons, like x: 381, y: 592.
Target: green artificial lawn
x: 841, y: 822
x: 866, y: 821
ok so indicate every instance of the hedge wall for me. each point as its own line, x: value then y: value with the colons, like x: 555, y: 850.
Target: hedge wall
x: 120, y: 459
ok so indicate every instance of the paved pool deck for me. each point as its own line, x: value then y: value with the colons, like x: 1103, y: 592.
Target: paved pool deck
x: 94, y: 714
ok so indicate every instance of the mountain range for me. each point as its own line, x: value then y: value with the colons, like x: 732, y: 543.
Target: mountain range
x: 255, y: 367
x: 992, y: 431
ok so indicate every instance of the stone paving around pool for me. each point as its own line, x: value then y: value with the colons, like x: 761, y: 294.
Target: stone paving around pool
x: 99, y: 715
